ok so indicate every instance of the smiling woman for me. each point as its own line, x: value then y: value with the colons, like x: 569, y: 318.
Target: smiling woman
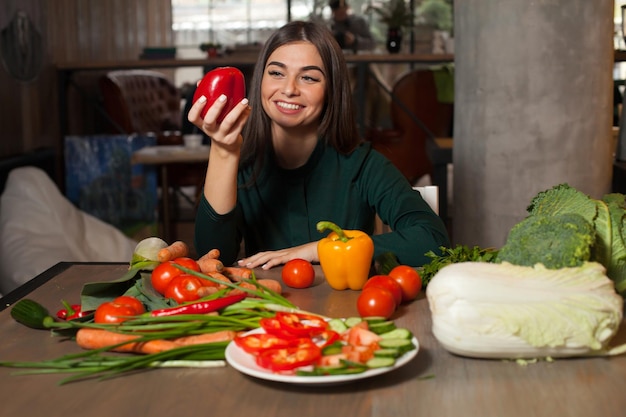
x: 292, y: 156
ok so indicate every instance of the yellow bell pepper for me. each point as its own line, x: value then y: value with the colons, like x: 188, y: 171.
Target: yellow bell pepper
x: 345, y: 256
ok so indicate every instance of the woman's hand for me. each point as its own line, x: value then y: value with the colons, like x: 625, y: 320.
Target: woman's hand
x: 267, y: 260
x: 227, y: 134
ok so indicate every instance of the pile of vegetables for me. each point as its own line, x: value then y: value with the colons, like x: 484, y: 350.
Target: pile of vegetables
x: 129, y: 315
x: 555, y: 289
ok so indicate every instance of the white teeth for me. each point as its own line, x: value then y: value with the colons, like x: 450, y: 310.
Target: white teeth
x: 288, y: 106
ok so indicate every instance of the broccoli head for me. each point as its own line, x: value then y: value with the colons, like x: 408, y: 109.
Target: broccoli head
x: 556, y: 241
x: 562, y: 199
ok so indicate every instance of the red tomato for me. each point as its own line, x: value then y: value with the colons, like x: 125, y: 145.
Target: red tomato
x: 187, y: 263
x: 298, y: 273
x: 118, y: 310
x: 223, y: 80
x: 184, y: 288
x: 385, y: 281
x: 165, y: 271
x: 375, y: 301
x: 409, y: 280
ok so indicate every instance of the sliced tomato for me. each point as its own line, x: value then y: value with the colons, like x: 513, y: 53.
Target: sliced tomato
x: 259, y: 342
x: 360, y: 354
x: 287, y: 359
x: 301, y: 324
x: 332, y: 360
x: 359, y: 336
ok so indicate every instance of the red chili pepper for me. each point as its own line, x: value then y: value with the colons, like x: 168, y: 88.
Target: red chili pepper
x: 201, y: 307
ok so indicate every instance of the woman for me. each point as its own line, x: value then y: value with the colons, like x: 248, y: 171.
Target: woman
x: 292, y: 156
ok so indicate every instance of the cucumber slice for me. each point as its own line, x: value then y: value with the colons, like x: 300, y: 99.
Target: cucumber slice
x: 403, y: 345
x: 382, y: 327
x: 374, y: 319
x: 337, y: 325
x: 353, y: 321
x: 398, y: 333
x: 377, y: 362
x: 332, y: 349
x: 387, y: 353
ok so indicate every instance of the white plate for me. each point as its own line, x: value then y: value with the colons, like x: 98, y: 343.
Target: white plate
x: 246, y: 364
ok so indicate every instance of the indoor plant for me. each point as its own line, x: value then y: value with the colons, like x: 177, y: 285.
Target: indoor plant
x: 397, y: 15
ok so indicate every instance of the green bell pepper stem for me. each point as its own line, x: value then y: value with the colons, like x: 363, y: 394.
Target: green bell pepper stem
x: 325, y: 225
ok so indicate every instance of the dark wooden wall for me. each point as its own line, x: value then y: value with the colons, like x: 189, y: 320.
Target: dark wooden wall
x: 70, y: 30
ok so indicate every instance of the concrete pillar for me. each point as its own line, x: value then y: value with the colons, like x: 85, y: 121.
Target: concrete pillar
x: 533, y: 108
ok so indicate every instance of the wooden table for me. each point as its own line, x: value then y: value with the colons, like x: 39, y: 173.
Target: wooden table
x: 434, y: 383
x: 163, y: 157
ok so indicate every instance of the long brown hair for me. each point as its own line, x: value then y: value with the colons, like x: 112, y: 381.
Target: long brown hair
x: 337, y: 125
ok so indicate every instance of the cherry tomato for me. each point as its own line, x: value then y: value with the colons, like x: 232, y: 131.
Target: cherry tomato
x: 165, y: 271
x: 229, y: 81
x: 118, y: 310
x: 184, y: 288
x: 385, y: 281
x: 298, y: 273
x: 409, y: 279
x: 375, y: 302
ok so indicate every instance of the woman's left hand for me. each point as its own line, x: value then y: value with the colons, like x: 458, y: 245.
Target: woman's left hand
x: 267, y: 260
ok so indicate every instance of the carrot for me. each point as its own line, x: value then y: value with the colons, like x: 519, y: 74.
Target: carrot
x: 209, y: 265
x: 98, y: 339
x: 271, y: 284
x: 237, y: 273
x: 206, y: 291
x: 177, y: 249
x: 213, y: 253
x: 219, y: 336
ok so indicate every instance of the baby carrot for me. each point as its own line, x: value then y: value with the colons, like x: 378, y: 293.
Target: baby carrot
x: 177, y: 249
x: 209, y: 265
x: 213, y: 253
x: 271, y: 284
x: 88, y: 338
x: 237, y: 273
x: 219, y: 336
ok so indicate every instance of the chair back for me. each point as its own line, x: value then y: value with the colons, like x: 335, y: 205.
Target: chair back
x: 140, y: 101
x: 430, y: 194
x: 417, y: 116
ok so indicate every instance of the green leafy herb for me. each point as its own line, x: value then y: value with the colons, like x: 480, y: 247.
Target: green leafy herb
x: 460, y: 253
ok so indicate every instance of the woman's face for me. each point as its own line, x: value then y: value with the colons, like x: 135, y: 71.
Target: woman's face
x: 293, y: 85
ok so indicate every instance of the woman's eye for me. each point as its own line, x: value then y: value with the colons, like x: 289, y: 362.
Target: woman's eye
x: 310, y: 79
x: 274, y: 73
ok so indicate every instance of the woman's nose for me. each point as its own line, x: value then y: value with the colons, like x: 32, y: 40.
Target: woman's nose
x: 290, y: 87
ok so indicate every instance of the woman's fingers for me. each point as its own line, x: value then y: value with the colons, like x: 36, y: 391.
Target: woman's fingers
x: 270, y: 259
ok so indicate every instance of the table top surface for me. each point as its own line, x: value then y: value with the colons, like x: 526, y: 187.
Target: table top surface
x: 170, y: 154
x: 434, y: 383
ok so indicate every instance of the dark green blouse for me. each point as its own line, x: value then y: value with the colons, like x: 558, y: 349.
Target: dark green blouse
x: 281, y: 209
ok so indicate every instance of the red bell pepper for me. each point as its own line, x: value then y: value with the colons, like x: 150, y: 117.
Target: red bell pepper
x: 229, y: 81
x: 289, y: 358
x: 301, y: 324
